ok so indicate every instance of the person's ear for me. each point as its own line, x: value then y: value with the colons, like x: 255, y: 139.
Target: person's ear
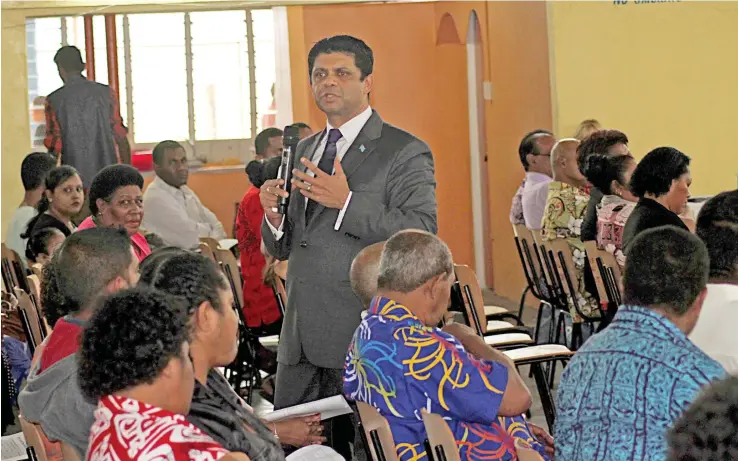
x: 697, y: 305
x: 616, y: 188
x: 102, y: 205
x: 48, y: 195
x: 368, y: 84
x: 117, y: 284
x: 206, y: 318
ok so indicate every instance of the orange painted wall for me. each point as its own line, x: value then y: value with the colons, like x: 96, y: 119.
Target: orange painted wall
x: 218, y: 191
x: 422, y: 87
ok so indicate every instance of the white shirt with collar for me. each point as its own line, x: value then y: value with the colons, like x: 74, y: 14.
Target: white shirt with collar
x: 715, y: 330
x: 349, y: 132
x: 178, y: 216
x: 535, y: 194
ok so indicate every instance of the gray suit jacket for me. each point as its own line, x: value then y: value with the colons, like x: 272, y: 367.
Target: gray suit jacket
x: 393, y: 188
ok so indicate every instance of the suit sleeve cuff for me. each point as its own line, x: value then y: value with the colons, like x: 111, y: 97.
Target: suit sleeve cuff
x: 342, y: 213
x: 276, y: 232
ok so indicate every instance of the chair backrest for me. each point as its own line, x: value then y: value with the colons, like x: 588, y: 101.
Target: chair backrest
x: 473, y: 304
x: 281, y: 293
x: 34, y: 438
x: 206, y: 251
x: 34, y: 284
x: 69, y: 453
x: 441, y: 439
x: 527, y: 251
x: 38, y: 270
x: 230, y: 267
x: 524, y: 452
x: 280, y: 269
x: 606, y: 272
x: 12, y: 269
x: 211, y: 242
x: 36, y: 326
x: 379, y: 438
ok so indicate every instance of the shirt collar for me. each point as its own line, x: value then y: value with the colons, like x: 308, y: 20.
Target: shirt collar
x: 647, y: 319
x: 350, y: 130
x: 391, y: 310
x: 161, y: 184
x: 532, y: 177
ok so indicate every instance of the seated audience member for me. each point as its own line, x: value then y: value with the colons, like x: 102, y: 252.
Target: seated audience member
x: 399, y: 362
x: 586, y: 128
x: 89, y: 264
x: 116, y: 201
x: 260, y: 306
x: 139, y: 370
x: 661, y: 182
x: 565, y: 207
x: 626, y: 385
x: 34, y: 169
x: 611, y: 176
x: 42, y: 245
x: 304, y: 130
x: 535, y: 155
x: 268, y: 144
x: 173, y: 211
x: 62, y: 200
x: 605, y: 142
x: 706, y: 431
x: 717, y: 226
x: 216, y: 409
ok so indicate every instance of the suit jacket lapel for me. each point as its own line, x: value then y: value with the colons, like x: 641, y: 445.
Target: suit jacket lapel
x: 363, y: 145
x: 309, y: 154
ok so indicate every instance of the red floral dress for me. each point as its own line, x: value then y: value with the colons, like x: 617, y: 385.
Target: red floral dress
x: 127, y: 429
x: 260, y: 306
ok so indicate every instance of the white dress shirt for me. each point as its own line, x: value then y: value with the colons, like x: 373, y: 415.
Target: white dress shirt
x: 349, y: 132
x: 715, y: 330
x: 17, y: 226
x: 535, y: 194
x: 178, y: 216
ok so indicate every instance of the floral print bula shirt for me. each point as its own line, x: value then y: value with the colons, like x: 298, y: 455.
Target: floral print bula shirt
x: 562, y: 219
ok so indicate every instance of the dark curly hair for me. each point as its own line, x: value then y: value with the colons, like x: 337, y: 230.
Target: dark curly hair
x: 717, y: 226
x: 657, y: 170
x: 601, y: 170
x: 130, y: 339
x: 598, y: 142
x: 184, y: 273
x: 707, y: 430
x: 38, y: 243
x: 110, y: 179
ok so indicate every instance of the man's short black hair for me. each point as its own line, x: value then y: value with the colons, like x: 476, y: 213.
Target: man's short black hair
x: 110, y: 179
x: 261, y: 142
x: 657, y: 170
x: 81, y: 269
x: 158, y: 153
x: 301, y: 125
x: 363, y: 55
x: 666, y: 267
x: 707, y: 430
x: 528, y: 146
x: 598, y: 142
x: 34, y: 169
x: 70, y: 59
x: 717, y: 226
x: 130, y: 339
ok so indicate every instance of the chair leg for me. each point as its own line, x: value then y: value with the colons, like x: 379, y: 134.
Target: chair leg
x: 545, y: 393
x: 522, y: 302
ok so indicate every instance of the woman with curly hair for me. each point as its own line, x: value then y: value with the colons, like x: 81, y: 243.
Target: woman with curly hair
x: 216, y: 408
x: 138, y: 368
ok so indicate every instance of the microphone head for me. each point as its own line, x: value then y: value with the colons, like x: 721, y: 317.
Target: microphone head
x: 291, y: 137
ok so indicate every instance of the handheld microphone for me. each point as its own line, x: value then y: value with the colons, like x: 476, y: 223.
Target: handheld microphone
x: 289, y: 140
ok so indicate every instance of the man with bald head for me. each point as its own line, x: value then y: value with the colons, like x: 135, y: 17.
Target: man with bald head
x: 364, y: 272
x: 568, y: 195
x: 399, y: 361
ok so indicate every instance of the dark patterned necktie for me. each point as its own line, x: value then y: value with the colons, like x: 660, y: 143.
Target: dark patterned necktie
x: 325, y: 165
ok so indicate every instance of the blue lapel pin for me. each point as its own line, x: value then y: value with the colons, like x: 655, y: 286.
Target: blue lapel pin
x: 362, y: 148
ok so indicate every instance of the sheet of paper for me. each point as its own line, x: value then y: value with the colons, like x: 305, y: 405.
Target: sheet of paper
x: 315, y: 453
x: 227, y: 244
x: 13, y: 447
x: 328, y: 408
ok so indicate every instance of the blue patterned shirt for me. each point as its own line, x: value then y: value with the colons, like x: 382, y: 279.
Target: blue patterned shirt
x: 398, y: 365
x: 625, y: 387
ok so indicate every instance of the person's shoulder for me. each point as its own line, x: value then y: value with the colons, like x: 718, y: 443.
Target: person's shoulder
x: 403, y: 139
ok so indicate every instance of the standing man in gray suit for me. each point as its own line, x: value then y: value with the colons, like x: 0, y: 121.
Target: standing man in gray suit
x: 356, y: 183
